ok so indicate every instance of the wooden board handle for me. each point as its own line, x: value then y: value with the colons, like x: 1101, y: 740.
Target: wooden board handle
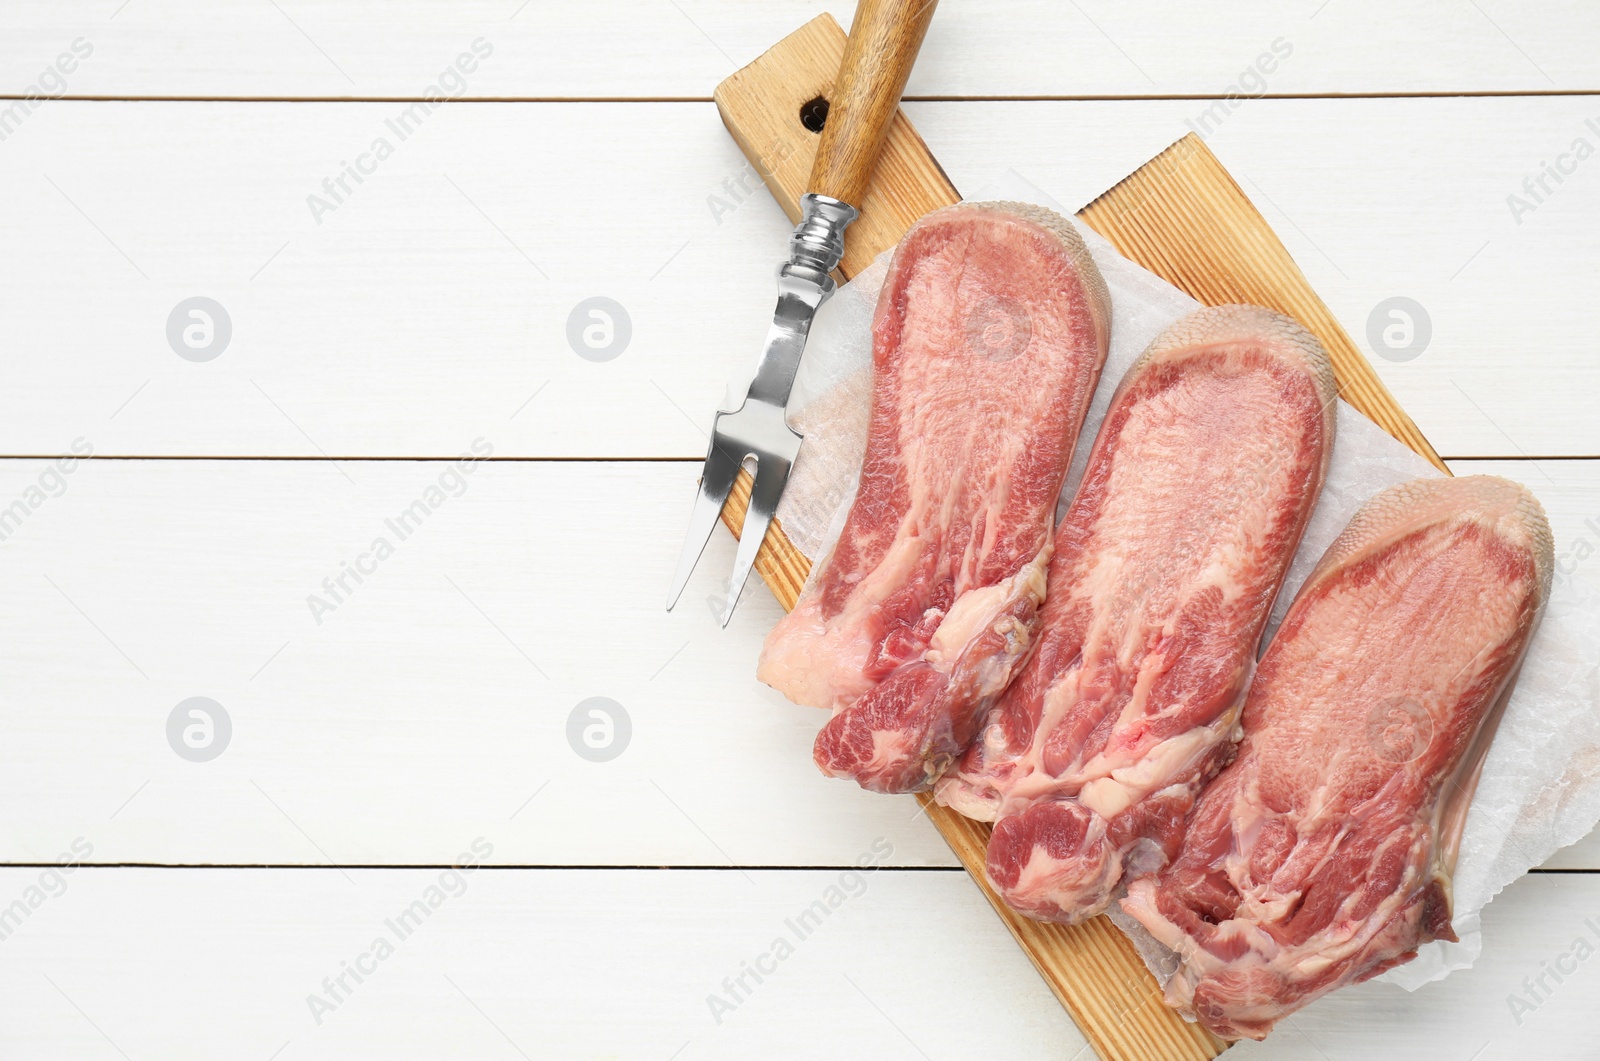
x: 884, y: 40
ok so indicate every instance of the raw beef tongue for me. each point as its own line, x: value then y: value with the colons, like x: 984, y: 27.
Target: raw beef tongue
x: 988, y: 340
x: 1192, y: 504
x: 1322, y: 856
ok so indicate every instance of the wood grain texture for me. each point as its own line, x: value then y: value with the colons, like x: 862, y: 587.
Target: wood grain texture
x: 885, y: 37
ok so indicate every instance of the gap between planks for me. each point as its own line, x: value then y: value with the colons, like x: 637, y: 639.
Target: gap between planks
x: 1199, y: 97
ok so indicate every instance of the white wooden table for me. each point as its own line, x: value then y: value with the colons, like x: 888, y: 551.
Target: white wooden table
x: 418, y: 717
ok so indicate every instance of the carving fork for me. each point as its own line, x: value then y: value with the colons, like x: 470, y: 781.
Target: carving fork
x: 884, y: 39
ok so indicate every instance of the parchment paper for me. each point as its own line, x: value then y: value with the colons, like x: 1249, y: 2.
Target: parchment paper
x: 1540, y: 789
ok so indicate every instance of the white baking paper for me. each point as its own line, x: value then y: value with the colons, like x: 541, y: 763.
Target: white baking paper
x: 1540, y: 789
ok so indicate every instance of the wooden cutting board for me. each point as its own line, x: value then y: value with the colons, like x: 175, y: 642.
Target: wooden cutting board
x: 1182, y: 217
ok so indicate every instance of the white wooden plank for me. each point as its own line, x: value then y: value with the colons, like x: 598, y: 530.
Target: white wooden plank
x: 432, y: 699
x: 432, y: 702
x: 433, y: 304
x: 208, y: 963
x: 365, y: 49
x: 220, y: 963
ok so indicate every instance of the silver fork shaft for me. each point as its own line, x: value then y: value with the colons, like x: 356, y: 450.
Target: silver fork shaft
x: 716, y: 480
x: 772, y: 472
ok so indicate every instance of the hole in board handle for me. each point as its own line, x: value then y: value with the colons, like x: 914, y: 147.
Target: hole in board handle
x: 814, y: 114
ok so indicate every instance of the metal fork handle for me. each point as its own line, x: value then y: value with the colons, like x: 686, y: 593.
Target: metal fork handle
x: 805, y: 282
x: 818, y: 240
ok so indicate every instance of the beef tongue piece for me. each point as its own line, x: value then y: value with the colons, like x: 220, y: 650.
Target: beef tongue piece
x: 1193, y: 502
x: 1323, y: 854
x: 988, y: 340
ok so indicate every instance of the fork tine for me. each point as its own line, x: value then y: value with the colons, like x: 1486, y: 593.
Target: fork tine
x: 716, y: 480
x: 772, y: 472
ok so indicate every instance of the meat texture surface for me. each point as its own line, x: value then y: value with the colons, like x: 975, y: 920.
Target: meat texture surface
x: 1323, y: 854
x: 988, y: 340
x: 1166, y: 565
